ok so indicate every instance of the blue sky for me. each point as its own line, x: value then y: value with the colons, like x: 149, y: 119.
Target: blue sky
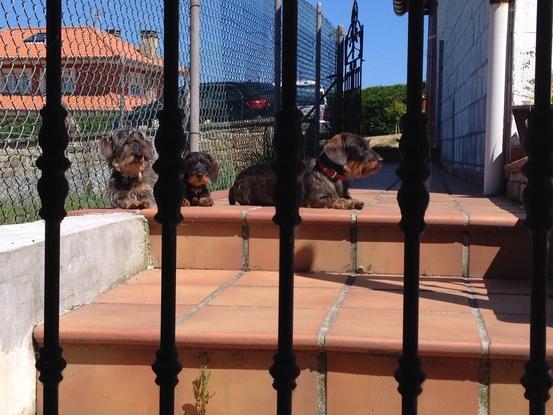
x: 385, y: 46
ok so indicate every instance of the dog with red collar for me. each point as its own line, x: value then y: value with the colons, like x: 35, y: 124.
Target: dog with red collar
x: 324, y: 181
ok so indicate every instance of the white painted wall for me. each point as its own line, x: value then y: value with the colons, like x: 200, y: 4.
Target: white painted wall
x: 463, y: 26
x: 97, y: 252
x: 524, y: 49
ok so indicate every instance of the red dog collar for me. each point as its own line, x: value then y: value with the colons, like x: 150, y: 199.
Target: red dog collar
x: 330, y: 173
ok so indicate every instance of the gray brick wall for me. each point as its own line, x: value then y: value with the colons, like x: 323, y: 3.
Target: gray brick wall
x: 463, y: 27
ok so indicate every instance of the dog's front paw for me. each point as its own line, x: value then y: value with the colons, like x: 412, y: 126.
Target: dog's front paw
x: 205, y: 201
x: 132, y: 204
x: 342, y: 203
x: 185, y: 203
x: 357, y: 204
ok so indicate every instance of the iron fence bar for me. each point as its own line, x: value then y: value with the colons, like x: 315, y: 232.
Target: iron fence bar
x: 314, y: 147
x: 52, y: 188
x: 413, y: 198
x: 287, y: 194
x: 168, y: 192
x: 538, y: 199
x: 339, y: 104
x: 353, y: 58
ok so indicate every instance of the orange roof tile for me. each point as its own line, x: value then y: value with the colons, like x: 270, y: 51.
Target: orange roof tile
x: 108, y: 102
x: 77, y: 42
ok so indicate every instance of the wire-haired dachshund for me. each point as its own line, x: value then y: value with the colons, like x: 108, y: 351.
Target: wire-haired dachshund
x: 324, y: 180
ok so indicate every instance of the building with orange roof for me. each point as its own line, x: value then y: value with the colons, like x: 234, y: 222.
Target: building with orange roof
x: 101, y: 71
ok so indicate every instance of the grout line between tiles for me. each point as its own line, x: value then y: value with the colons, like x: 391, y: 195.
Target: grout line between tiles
x: 245, y: 227
x: 321, y: 345
x: 353, y: 238
x: 484, y: 368
x: 245, y: 241
x: 209, y: 298
x: 465, y: 256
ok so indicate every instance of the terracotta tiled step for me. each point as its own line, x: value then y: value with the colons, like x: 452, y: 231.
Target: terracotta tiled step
x: 465, y: 236
x: 473, y: 340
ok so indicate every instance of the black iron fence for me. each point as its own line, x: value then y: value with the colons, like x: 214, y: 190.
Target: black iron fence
x: 412, y: 198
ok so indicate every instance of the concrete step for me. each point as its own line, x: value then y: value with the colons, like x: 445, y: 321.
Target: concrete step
x: 476, y: 236
x: 347, y: 334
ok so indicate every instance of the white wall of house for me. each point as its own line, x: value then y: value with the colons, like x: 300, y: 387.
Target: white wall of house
x: 463, y: 27
x: 97, y: 251
x: 524, y: 49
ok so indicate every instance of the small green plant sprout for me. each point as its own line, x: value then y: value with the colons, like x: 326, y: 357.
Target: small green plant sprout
x: 201, y: 392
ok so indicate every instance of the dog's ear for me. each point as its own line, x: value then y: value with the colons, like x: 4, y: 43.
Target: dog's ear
x: 335, y: 149
x: 105, y: 145
x: 149, y: 151
x: 214, y: 171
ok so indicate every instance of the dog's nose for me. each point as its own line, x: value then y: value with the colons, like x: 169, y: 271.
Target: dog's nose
x: 138, y: 153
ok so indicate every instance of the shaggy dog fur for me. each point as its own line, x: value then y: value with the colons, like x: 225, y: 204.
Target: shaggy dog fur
x: 200, y: 169
x: 324, y: 180
x: 129, y: 154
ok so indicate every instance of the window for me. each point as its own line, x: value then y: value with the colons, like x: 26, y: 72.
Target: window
x: 15, y: 83
x: 67, y: 81
x: 36, y: 38
x: 136, y: 85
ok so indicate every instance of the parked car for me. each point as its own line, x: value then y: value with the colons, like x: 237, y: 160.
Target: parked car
x: 219, y: 102
x: 306, y: 101
x: 235, y: 101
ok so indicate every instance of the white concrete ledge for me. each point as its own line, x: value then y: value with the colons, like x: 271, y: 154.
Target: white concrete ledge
x: 97, y: 252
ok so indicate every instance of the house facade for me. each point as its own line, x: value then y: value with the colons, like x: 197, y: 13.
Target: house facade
x: 481, y: 75
x: 101, y: 71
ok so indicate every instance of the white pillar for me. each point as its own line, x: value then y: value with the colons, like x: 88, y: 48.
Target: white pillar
x: 495, y: 101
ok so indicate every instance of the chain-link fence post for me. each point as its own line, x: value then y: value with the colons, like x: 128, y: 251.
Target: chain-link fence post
x: 317, y: 119
x: 278, y: 52
x: 194, y: 75
x: 339, y: 105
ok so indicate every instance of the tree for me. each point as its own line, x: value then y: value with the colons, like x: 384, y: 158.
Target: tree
x: 381, y: 109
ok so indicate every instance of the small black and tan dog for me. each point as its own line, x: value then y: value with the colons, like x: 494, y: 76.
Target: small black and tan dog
x: 129, y: 154
x: 200, y: 170
x: 324, y: 180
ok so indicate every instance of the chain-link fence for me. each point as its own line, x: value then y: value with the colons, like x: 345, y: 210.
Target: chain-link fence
x: 112, y: 78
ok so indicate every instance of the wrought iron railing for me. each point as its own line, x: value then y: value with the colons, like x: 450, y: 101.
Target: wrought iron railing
x: 412, y: 198
x: 538, y: 199
x: 168, y: 192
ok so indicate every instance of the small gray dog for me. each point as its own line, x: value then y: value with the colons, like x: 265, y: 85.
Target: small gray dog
x: 324, y: 180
